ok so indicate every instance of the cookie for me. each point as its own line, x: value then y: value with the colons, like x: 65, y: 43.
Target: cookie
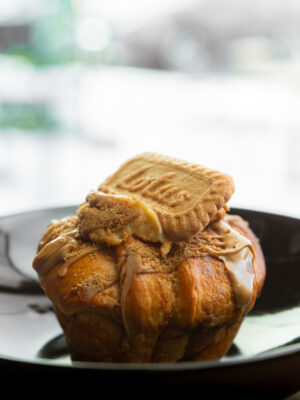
x: 185, y: 197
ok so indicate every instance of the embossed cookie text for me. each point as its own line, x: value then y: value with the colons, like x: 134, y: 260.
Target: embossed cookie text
x: 161, y: 189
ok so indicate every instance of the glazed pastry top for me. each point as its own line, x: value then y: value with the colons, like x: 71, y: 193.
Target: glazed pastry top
x: 62, y: 243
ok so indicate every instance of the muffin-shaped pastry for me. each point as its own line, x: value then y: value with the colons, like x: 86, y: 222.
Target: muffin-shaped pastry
x: 140, y: 275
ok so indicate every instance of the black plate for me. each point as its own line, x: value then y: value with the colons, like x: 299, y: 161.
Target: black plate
x: 265, y: 355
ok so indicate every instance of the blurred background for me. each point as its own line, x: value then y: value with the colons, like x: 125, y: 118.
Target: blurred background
x: 85, y: 85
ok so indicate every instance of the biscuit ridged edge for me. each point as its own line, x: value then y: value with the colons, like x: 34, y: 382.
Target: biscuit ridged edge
x: 182, y: 226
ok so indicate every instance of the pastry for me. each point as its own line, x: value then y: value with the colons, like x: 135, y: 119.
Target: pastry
x: 152, y: 268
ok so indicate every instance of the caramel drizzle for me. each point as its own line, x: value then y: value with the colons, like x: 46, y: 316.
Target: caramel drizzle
x: 226, y: 244
x: 55, y: 251
x: 71, y: 260
x: 131, y: 268
x: 237, y: 253
x: 88, y: 293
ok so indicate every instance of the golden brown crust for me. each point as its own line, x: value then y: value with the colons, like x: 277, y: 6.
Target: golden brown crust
x: 130, y: 304
x: 91, y: 283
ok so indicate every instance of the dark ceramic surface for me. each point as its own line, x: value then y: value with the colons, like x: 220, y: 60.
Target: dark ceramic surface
x: 264, y: 358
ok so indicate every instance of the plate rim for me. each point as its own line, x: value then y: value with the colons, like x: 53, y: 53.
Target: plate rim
x: 278, y: 354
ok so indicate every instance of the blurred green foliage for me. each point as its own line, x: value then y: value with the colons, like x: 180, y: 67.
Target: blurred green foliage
x: 27, y: 117
x: 51, y: 38
x: 50, y: 42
